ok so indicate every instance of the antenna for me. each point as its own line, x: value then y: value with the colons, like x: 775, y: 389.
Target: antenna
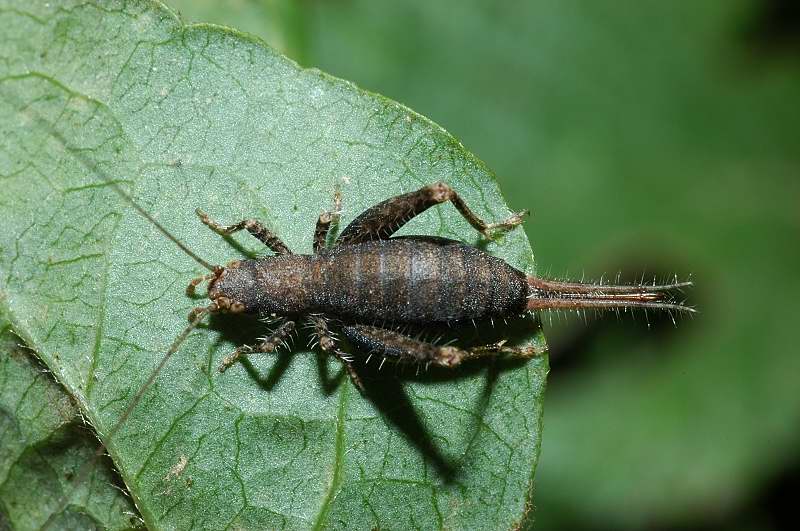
x: 98, y: 172
x: 84, y: 470
x: 92, y: 167
x: 196, y: 317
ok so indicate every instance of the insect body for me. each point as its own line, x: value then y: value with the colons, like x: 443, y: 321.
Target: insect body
x: 369, y: 277
x: 402, y: 280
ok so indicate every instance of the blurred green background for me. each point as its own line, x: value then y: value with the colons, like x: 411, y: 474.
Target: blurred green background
x: 648, y: 137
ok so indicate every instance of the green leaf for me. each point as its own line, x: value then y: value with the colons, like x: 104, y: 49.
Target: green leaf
x: 640, y: 134
x: 200, y: 116
x: 44, y: 443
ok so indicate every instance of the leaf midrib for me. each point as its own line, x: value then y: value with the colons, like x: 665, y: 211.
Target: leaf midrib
x: 338, y: 464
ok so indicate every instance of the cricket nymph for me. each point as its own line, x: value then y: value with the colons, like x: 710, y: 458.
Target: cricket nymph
x: 368, y: 276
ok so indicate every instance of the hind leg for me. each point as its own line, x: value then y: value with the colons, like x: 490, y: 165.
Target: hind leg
x: 501, y: 348
x: 400, y: 348
x: 384, y: 219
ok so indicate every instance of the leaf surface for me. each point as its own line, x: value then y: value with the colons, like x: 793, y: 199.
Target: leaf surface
x: 644, y: 136
x: 43, y: 444
x: 187, y: 116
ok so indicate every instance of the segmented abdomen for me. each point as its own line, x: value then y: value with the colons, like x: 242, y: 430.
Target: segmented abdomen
x: 417, y: 281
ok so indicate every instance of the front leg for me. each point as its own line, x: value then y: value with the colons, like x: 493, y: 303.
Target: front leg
x: 384, y: 219
x: 253, y: 226
x: 267, y: 344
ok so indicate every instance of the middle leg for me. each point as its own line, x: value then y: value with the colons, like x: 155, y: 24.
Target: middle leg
x: 327, y: 343
x: 326, y: 220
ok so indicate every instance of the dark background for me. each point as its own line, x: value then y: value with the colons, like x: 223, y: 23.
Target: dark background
x: 647, y: 137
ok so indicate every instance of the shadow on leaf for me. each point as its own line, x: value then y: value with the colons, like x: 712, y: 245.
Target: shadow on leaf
x: 386, y: 388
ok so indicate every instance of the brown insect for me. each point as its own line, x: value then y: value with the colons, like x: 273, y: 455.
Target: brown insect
x: 369, y: 276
